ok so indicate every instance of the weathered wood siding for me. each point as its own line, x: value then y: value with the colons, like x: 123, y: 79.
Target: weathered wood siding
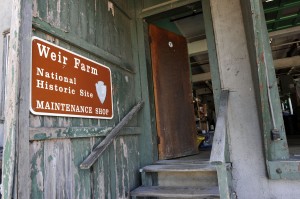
x: 102, y: 31
x: 5, y: 16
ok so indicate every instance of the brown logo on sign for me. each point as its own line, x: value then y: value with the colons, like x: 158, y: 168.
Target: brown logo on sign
x: 64, y: 83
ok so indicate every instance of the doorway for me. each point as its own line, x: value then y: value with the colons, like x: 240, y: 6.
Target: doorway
x: 183, y: 102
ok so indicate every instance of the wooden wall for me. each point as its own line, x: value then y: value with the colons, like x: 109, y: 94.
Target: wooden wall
x: 104, y: 33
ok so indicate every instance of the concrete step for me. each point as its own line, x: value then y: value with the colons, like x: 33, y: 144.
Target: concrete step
x: 177, y: 192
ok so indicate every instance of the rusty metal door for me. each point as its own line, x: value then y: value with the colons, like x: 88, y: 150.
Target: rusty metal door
x: 173, y: 94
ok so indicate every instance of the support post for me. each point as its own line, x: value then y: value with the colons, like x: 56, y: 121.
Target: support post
x: 264, y: 80
x: 16, y: 161
x: 212, y: 52
x: 144, y: 90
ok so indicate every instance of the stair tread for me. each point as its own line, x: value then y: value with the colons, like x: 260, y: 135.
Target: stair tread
x: 187, y: 192
x: 179, y: 168
x: 198, y: 161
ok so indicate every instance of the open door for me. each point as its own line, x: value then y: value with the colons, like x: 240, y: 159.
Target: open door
x: 173, y: 94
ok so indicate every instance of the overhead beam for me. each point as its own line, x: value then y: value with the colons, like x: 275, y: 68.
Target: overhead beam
x: 288, y: 62
x: 201, y: 77
x: 203, y: 91
x: 199, y: 47
x: 285, y: 32
x: 164, y: 7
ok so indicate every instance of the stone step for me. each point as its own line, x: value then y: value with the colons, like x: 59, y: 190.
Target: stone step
x: 177, y: 192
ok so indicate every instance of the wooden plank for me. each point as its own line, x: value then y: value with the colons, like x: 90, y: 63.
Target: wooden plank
x: 201, y: 77
x: 83, y: 21
x: 36, y: 121
x: 183, y: 192
x: 268, y: 100
x: 174, y: 161
x: 91, y: 22
x: 285, y: 32
x: 55, y: 169
x: 200, y: 46
x: 166, y: 6
x: 101, y: 176
x: 16, y: 145
x: 219, y: 141
x: 123, y: 155
x: 197, y: 47
x: 81, y: 179
x: 57, y: 162
x: 179, y: 168
x: 42, y: 8
x: 64, y: 15
x: 73, y: 18
x: 287, y: 62
x: 125, y: 43
x: 50, y: 169
x: 203, y: 91
x: 131, y: 147
x: 212, y: 52
x: 99, y: 17
x: 225, y: 181
x: 37, y: 170
x: 23, y: 99
x: 53, y: 10
x: 282, y: 63
x: 113, y: 173
x: 89, y: 161
x: 144, y: 89
x: 3, y: 59
x: 46, y: 133
x: 80, y: 43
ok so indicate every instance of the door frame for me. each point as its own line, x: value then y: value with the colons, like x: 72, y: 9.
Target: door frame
x: 144, y: 15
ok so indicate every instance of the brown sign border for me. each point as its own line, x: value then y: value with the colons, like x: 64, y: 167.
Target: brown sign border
x: 67, y: 115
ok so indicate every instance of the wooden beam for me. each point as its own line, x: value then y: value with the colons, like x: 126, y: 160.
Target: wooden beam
x: 197, y: 47
x: 16, y: 159
x: 143, y: 89
x: 212, y: 51
x: 203, y: 91
x: 97, y: 152
x: 81, y: 44
x: 166, y: 6
x: 48, y: 133
x: 265, y: 82
x: 285, y: 32
x: 201, y: 77
x: 288, y: 62
x: 219, y: 141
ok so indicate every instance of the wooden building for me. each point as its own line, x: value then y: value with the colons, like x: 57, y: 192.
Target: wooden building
x: 119, y: 79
